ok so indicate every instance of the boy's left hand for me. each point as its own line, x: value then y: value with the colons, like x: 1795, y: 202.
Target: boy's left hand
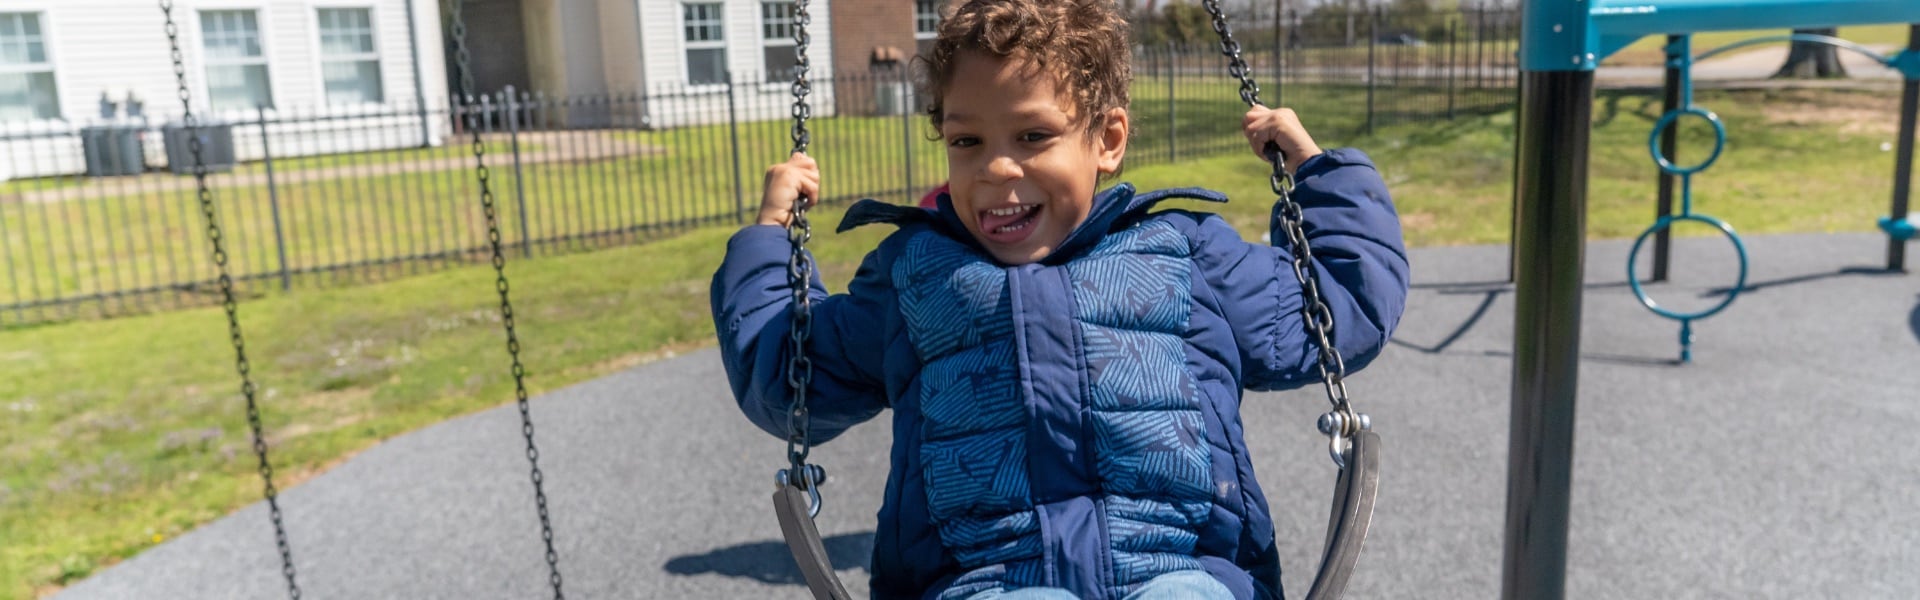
x: 1281, y: 127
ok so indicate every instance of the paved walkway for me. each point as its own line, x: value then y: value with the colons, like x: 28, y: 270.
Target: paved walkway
x: 1782, y: 464
x: 1756, y: 65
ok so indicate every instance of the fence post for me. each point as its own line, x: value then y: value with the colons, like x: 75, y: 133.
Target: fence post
x: 1279, y: 45
x: 907, y: 104
x: 511, y: 103
x: 1453, y: 50
x: 1373, y: 74
x: 1173, y: 126
x: 273, y: 200
x: 733, y: 130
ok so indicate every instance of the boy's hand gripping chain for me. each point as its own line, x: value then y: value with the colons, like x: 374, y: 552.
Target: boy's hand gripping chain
x: 796, y: 500
x: 1350, y: 439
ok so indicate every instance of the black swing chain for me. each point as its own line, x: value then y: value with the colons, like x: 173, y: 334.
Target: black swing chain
x: 210, y: 212
x: 1341, y: 423
x: 800, y: 278
x: 463, y: 59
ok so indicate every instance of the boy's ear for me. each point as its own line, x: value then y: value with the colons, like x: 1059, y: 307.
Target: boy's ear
x: 1113, y: 140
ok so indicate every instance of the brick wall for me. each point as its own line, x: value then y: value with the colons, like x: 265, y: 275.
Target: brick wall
x: 860, y: 26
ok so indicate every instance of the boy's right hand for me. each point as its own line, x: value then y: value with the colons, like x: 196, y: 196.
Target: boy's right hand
x: 786, y: 183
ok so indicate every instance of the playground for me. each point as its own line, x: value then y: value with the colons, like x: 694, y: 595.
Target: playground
x: 1771, y: 467
x: 1740, y: 400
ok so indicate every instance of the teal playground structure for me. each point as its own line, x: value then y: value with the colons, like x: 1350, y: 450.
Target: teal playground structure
x: 1562, y: 42
x: 1661, y: 145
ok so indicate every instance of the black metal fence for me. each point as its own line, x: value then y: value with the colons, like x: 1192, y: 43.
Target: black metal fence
x: 97, y: 222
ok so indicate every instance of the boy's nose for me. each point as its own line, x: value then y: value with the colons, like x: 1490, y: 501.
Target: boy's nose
x: 1002, y: 168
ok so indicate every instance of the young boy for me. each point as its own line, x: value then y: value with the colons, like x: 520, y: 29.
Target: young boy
x: 1064, y: 367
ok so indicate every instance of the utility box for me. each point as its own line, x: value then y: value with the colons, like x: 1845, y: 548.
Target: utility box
x: 892, y: 98
x: 113, y: 150
x: 216, y: 147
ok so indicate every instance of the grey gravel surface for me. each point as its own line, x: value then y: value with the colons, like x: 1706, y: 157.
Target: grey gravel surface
x: 1780, y: 464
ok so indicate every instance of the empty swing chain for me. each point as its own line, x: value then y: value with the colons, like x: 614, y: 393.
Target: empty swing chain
x: 216, y: 240
x: 463, y: 58
x: 800, y: 277
x: 1340, y: 424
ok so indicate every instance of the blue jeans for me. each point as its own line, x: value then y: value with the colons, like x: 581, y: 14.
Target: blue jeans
x: 1178, y: 585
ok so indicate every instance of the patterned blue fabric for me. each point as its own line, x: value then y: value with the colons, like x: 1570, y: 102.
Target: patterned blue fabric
x: 1130, y: 297
x: 1072, y: 423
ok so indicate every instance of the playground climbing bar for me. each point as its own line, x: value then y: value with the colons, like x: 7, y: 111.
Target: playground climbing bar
x: 1562, y: 41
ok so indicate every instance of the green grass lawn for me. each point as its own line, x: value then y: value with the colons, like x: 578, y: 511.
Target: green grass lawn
x: 123, y: 433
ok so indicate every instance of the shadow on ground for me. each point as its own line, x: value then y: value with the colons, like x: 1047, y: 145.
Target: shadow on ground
x: 769, y: 562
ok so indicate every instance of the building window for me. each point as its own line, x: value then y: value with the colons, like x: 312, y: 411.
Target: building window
x: 926, y: 25
x: 349, y: 62
x: 776, y: 40
x: 236, y: 62
x: 926, y: 18
x: 26, y: 76
x: 706, y: 43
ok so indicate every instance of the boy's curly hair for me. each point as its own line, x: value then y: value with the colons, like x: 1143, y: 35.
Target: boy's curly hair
x: 1081, y: 43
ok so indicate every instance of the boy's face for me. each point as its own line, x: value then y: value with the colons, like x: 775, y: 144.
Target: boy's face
x: 1022, y: 165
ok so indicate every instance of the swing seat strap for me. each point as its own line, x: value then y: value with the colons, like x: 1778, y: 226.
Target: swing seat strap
x: 1352, y: 516
x: 803, y: 540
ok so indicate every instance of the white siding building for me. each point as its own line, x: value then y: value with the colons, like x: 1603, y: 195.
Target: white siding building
x: 679, y: 54
x: 68, y: 64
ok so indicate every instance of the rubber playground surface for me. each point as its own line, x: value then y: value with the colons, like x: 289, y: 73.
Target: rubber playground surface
x: 1781, y: 463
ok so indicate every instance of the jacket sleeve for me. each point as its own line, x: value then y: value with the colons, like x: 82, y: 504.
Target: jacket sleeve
x: 1360, y: 265
x: 752, y: 315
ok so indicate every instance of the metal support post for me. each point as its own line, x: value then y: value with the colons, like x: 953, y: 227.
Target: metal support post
x: 1669, y: 146
x: 1551, y: 223
x: 1903, y: 160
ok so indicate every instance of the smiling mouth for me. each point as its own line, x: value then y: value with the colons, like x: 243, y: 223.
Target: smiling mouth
x: 1004, y: 222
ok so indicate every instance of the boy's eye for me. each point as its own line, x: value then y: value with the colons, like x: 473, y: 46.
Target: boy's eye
x: 1035, y: 136
x: 964, y: 141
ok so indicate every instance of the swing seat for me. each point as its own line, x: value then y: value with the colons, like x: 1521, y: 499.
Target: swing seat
x: 1899, y: 229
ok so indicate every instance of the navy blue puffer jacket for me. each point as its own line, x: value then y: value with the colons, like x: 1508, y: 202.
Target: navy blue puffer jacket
x: 1074, y: 422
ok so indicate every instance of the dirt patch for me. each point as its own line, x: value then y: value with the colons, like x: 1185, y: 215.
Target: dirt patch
x: 1854, y: 113
x: 1417, y: 221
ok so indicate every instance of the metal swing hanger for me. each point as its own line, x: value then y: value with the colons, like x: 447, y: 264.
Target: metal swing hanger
x: 209, y: 211
x: 796, y: 501
x: 463, y: 59
x: 1351, y: 442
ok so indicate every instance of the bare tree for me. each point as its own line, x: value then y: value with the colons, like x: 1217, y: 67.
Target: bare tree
x: 1812, y: 60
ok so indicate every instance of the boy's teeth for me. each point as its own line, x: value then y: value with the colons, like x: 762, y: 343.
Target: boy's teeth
x: 1009, y: 211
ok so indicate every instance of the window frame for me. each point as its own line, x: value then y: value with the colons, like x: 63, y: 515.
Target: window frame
x: 785, y: 75
x: 718, y: 22
x: 322, y: 58
x: 207, y: 60
x: 48, y: 63
x: 930, y: 19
